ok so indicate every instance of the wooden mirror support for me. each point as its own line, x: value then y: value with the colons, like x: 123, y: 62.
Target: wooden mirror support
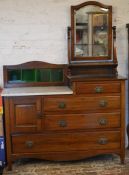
x: 91, y: 49
x: 127, y: 25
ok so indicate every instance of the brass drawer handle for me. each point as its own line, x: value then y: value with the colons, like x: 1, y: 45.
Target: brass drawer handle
x: 103, y: 121
x: 62, y: 105
x: 103, y: 141
x: 103, y: 103
x: 99, y: 89
x: 62, y: 123
x: 29, y: 144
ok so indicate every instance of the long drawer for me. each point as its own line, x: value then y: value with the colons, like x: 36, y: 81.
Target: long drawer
x: 65, y: 142
x: 98, y: 87
x: 101, y: 103
x: 82, y: 121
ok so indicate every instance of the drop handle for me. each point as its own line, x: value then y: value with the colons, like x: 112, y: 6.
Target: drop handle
x: 103, y: 103
x: 103, y: 141
x: 103, y: 121
x: 62, y: 123
x: 62, y: 105
x: 99, y: 89
x: 29, y: 144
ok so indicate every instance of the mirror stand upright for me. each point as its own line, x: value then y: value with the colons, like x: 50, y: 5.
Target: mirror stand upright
x: 91, y: 49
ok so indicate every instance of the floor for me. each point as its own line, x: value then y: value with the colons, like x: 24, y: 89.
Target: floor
x: 99, y: 165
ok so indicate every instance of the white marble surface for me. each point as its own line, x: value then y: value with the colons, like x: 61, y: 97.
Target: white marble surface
x: 25, y: 91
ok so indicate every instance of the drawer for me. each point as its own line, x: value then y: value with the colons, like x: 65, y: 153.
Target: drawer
x: 65, y: 142
x: 77, y: 103
x: 97, y: 88
x: 82, y: 121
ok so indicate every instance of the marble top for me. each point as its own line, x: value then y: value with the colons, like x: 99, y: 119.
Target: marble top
x: 25, y: 91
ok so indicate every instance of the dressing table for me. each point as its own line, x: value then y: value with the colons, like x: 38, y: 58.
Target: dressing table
x: 73, y: 111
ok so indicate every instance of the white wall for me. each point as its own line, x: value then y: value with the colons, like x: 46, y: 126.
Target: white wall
x: 37, y: 30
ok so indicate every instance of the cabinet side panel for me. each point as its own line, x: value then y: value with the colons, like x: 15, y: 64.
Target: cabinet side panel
x: 122, y: 121
x: 7, y: 131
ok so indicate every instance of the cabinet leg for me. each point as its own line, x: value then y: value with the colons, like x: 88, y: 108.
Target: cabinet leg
x: 9, y: 166
x: 122, y: 157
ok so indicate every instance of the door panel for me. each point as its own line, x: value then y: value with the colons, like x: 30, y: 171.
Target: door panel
x: 24, y: 113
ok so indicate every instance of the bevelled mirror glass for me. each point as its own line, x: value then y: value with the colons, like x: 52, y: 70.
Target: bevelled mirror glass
x: 91, y: 31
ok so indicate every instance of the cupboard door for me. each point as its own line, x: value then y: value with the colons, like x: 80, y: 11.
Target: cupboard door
x: 25, y: 114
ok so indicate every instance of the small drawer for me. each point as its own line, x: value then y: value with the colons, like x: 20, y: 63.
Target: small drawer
x: 88, y: 104
x: 82, y: 121
x: 78, y: 141
x: 97, y: 88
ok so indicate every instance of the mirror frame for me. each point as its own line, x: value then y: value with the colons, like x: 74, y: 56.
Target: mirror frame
x: 91, y: 58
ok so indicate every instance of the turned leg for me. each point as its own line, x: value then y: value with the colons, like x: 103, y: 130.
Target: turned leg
x: 122, y: 158
x: 9, y: 165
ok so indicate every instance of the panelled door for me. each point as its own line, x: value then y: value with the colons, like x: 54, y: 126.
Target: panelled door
x: 25, y: 114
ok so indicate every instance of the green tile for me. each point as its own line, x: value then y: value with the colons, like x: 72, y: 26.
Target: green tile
x: 28, y: 75
x: 35, y: 75
x: 14, y: 75
x: 43, y: 75
x: 56, y: 75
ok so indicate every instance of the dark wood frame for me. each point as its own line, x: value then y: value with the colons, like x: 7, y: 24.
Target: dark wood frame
x: 33, y: 65
x: 77, y: 7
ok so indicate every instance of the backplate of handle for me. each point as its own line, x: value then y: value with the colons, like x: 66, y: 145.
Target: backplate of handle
x: 62, y: 123
x: 103, y: 121
x: 29, y: 144
x: 99, y: 89
x: 62, y: 105
x: 103, y: 141
x: 103, y: 103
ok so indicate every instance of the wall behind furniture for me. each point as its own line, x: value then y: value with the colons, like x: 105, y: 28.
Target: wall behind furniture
x: 37, y: 30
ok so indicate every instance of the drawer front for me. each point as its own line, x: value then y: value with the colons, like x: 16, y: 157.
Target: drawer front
x: 97, y: 88
x: 65, y: 142
x: 64, y: 104
x: 82, y: 121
